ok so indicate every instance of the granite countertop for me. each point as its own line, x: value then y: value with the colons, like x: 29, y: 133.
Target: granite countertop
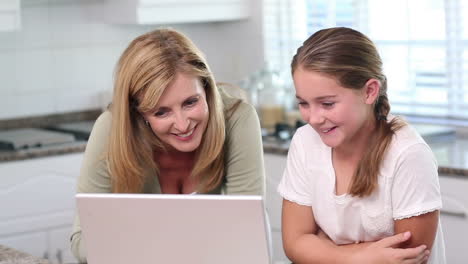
x: 449, y: 147
x: 13, y: 256
x: 78, y: 124
x: 450, y: 162
x: 59, y: 149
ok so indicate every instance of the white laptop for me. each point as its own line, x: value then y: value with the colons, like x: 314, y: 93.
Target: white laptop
x: 172, y: 229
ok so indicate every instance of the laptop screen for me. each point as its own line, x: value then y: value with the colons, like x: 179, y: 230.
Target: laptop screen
x: 164, y: 228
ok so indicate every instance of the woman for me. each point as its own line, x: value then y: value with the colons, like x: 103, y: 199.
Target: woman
x: 360, y: 185
x: 170, y: 129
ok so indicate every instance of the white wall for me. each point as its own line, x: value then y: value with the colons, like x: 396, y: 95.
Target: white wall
x: 61, y: 61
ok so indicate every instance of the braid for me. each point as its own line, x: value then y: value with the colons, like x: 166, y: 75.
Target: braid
x: 382, y: 107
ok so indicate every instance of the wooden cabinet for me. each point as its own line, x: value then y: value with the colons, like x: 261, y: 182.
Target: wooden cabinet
x: 10, y: 18
x: 169, y: 11
x: 454, y: 217
x: 37, y: 198
x: 274, y: 167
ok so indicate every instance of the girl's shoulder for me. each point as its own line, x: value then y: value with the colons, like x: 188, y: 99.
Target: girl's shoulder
x: 407, y: 136
x: 308, y: 142
x: 308, y: 136
x: 408, y: 142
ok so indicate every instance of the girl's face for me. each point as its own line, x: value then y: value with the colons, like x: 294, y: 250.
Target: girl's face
x: 181, y: 115
x: 338, y: 114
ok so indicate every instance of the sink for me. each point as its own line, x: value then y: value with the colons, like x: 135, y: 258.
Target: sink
x: 81, y: 129
x: 26, y: 138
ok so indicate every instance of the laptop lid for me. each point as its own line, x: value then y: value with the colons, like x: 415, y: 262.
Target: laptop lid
x: 164, y: 228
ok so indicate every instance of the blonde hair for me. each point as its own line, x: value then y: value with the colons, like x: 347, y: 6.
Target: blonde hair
x: 352, y: 59
x: 145, y: 69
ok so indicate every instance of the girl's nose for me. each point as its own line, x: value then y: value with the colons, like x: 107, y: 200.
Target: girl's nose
x: 315, y: 118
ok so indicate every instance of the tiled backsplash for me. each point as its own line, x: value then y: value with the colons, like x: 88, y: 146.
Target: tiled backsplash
x: 60, y: 61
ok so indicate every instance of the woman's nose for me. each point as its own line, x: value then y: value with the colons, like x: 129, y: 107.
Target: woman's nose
x: 181, y: 122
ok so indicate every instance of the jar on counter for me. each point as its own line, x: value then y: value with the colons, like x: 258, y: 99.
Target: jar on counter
x: 271, y: 99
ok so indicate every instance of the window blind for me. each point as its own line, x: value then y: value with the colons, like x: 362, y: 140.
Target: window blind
x: 423, y: 44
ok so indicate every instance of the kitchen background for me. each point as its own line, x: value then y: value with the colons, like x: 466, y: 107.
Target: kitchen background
x: 62, y: 56
x: 56, y: 64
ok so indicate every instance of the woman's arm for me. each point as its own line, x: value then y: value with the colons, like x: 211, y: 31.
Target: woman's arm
x: 94, y: 177
x: 303, y: 244
x: 245, y: 173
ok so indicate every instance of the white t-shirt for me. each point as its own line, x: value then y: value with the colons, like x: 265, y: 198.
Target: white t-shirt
x: 408, y: 186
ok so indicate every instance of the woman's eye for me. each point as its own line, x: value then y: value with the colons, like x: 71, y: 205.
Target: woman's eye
x: 328, y: 104
x: 191, y: 102
x: 160, y: 113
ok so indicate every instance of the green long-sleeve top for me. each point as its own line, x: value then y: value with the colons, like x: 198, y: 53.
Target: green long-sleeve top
x: 244, y: 171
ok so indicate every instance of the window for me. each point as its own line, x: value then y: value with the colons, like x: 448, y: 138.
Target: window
x: 423, y: 44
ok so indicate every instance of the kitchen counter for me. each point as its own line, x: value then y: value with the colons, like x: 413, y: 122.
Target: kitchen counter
x: 451, y: 154
x: 450, y: 148
x: 76, y: 125
x: 45, y: 151
x: 450, y: 163
x: 12, y: 256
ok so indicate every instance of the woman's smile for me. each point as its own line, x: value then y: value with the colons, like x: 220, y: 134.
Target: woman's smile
x: 186, y: 136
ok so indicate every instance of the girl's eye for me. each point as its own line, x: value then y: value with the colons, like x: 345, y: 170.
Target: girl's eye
x: 302, y: 104
x: 328, y: 104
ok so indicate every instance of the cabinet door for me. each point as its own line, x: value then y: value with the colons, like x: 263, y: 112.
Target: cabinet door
x: 274, y: 167
x: 454, y: 218
x: 36, y: 196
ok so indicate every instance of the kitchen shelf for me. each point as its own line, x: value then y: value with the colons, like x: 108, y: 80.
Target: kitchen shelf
x: 169, y: 11
x: 10, y: 15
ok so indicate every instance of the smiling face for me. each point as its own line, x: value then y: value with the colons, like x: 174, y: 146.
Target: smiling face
x: 181, y: 115
x: 339, y: 115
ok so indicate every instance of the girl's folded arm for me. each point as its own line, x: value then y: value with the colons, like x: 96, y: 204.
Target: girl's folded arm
x: 300, y: 241
x: 422, y: 227
x: 303, y: 243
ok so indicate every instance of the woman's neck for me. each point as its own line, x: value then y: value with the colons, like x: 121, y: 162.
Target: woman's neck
x: 175, y: 169
x: 174, y: 159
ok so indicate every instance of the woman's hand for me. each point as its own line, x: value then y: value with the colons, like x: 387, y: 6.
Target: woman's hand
x: 383, y: 251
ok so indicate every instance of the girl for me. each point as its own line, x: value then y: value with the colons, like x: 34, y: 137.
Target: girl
x: 360, y: 185
x: 170, y: 129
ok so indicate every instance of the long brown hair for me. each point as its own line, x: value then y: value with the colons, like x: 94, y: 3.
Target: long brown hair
x: 145, y: 69
x: 352, y: 59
